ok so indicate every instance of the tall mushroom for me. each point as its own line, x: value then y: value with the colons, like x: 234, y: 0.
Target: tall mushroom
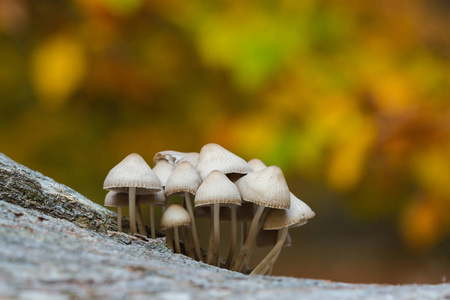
x: 133, y: 176
x: 267, y: 188
x: 185, y: 180
x: 173, y: 217
x: 297, y: 215
x: 214, y: 191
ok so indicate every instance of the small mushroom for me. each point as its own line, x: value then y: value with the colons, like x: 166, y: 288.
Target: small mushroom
x: 267, y: 188
x: 135, y: 177
x: 173, y: 217
x: 214, y: 191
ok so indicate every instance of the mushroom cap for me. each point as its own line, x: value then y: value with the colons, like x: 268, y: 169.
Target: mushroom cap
x: 163, y: 169
x: 175, y: 216
x: 256, y: 164
x: 183, y: 179
x: 115, y: 199
x: 158, y: 198
x: 132, y: 171
x: 243, y: 213
x: 217, y: 188
x: 215, y: 157
x: 168, y: 155
x: 266, y: 187
x: 298, y: 214
x: 191, y: 157
x: 266, y: 238
x: 176, y: 157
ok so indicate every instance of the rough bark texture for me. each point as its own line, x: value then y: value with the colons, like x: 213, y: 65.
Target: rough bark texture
x: 56, y: 244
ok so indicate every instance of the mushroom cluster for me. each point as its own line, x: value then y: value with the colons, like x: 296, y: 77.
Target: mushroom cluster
x: 214, y: 184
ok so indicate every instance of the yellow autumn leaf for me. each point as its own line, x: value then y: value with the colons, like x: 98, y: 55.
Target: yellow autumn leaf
x: 57, y: 69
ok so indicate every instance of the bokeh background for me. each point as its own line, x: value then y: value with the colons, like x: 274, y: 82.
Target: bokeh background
x: 349, y: 98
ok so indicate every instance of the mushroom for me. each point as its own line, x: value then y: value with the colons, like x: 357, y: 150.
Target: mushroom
x: 267, y: 188
x: 133, y: 176
x: 215, y: 157
x: 173, y: 217
x: 297, y: 215
x: 119, y: 200
x: 215, y: 190
x: 185, y: 180
x: 162, y: 169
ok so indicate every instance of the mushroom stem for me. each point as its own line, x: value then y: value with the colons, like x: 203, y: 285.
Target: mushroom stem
x: 132, y: 208
x: 233, y: 237
x: 198, y: 252
x: 211, y: 239
x: 188, y: 242
x: 140, y: 221
x: 270, y: 259
x: 119, y: 219
x: 216, y: 243
x: 169, y: 239
x: 152, y: 221
x: 243, y: 233
x: 246, y: 262
x: 250, y: 239
x: 268, y: 269
x: 177, y: 240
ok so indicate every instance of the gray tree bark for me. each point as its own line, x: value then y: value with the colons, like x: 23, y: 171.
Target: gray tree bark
x: 57, y: 244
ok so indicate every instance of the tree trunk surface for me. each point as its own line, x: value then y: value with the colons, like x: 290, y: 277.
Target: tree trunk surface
x: 57, y: 244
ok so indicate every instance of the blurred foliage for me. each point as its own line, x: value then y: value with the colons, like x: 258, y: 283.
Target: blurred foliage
x: 351, y: 94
